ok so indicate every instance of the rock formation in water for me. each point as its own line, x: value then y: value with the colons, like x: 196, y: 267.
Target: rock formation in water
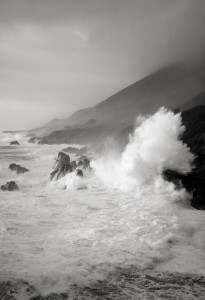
x: 33, y: 140
x: 79, y: 172
x: 62, y: 166
x: 10, y: 186
x: 19, y: 169
x: 84, y: 162
x: 74, y: 165
x: 194, y: 137
x: 14, y: 143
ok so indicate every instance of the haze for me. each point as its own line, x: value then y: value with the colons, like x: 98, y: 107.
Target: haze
x: 60, y: 56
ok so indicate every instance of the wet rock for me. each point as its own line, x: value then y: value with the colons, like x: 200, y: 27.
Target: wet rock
x: 79, y: 173
x: 74, y: 165
x: 14, y: 143
x: 10, y: 186
x: 62, y: 166
x: 34, y: 140
x: 198, y: 200
x: 84, y: 162
x: 19, y: 169
x: 194, y: 137
x: 194, y: 181
x: 80, y: 163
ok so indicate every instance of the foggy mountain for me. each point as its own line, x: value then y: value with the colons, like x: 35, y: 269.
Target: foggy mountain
x: 198, y: 100
x: 170, y: 87
x: 173, y: 87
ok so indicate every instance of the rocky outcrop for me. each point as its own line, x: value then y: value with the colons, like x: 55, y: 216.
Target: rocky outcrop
x: 84, y: 162
x: 14, y: 143
x: 19, y: 169
x: 10, y: 186
x: 76, y: 151
x: 194, y: 137
x: 33, y: 140
x: 79, y: 173
x: 74, y: 165
x: 62, y: 166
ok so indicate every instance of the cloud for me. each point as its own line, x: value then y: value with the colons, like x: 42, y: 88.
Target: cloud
x: 73, y: 54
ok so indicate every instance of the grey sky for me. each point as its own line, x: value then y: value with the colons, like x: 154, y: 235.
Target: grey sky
x: 57, y: 56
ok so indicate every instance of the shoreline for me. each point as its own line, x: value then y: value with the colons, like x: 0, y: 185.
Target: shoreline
x: 120, y: 285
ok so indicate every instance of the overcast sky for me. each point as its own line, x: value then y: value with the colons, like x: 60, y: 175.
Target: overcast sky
x: 57, y: 56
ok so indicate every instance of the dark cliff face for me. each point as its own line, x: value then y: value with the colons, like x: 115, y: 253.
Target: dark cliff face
x: 194, y: 138
x: 194, y: 121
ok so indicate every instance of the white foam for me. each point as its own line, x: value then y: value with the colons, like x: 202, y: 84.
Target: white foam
x: 153, y: 147
x: 54, y: 237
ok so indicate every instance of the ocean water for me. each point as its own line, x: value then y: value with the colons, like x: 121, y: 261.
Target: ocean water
x: 94, y: 239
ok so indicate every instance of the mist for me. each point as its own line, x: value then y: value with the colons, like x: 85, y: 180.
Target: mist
x: 58, y: 57
x: 154, y: 147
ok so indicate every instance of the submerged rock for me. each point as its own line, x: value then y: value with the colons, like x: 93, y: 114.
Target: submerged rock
x: 61, y: 167
x: 79, y: 173
x: 19, y: 169
x: 10, y: 186
x: 14, y: 143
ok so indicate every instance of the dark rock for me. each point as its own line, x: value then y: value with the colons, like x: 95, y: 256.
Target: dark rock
x: 10, y: 186
x: 14, y: 143
x: 76, y: 151
x: 19, y: 169
x: 80, y: 163
x: 84, y: 162
x: 62, y: 166
x: 79, y: 173
x: 73, y: 164
x: 192, y: 182
x: 33, y: 140
x: 198, y: 200
x: 194, y: 137
x: 83, y: 157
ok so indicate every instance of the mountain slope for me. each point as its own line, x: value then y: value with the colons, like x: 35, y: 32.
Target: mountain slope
x: 168, y: 87
x: 172, y: 87
x: 198, y: 100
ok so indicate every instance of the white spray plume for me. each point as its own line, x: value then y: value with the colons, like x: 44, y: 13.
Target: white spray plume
x: 154, y: 146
